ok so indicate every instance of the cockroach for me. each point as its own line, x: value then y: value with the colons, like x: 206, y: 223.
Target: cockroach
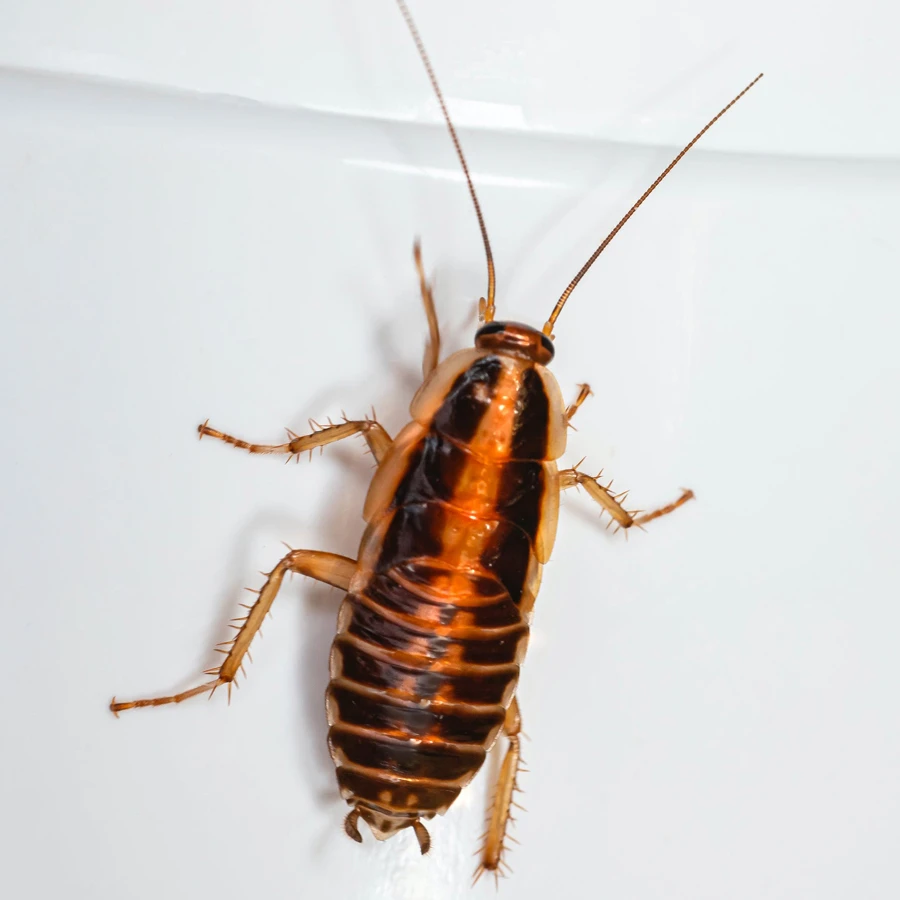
x: 460, y: 518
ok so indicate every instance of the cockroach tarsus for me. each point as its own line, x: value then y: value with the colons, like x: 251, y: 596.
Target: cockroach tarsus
x: 460, y: 519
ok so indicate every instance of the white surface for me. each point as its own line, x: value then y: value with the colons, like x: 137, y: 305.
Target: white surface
x: 711, y: 706
x: 643, y: 71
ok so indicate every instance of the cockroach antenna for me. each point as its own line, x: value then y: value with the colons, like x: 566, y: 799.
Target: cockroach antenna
x: 548, y: 327
x: 485, y: 307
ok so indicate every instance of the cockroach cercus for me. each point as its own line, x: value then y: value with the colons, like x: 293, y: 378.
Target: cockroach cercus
x: 460, y: 518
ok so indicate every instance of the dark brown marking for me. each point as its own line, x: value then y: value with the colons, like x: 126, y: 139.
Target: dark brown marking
x: 437, y: 465
x: 405, y: 679
x: 508, y: 556
x: 415, y: 531
x: 477, y: 646
x: 368, y: 670
x: 422, y: 574
x: 460, y: 631
x: 391, y: 594
x: 480, y: 687
x: 369, y: 626
x: 493, y: 652
x: 393, y: 716
x: 529, y: 438
x: 435, y: 761
x: 469, y: 399
x: 393, y: 597
x: 433, y: 470
x: 521, y: 495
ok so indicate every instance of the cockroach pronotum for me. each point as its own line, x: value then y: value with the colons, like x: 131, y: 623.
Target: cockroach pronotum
x: 460, y: 518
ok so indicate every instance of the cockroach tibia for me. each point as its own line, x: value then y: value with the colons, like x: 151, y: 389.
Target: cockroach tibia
x: 460, y: 518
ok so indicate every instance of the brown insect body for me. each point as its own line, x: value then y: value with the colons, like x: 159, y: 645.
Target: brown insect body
x: 461, y: 517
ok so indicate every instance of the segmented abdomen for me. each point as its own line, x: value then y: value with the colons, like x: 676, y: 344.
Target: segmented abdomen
x: 461, y: 513
x: 421, y: 678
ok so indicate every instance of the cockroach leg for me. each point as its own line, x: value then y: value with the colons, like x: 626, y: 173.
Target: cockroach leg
x: 602, y: 494
x: 433, y: 347
x: 327, y: 567
x: 376, y: 437
x: 500, y: 817
x: 584, y: 391
x: 686, y: 494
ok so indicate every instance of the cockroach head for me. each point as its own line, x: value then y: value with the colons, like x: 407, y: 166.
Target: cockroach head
x: 515, y: 339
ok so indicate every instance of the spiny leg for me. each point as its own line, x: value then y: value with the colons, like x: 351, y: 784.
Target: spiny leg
x: 433, y: 346
x: 610, y: 502
x: 327, y: 567
x: 500, y: 817
x: 584, y: 391
x: 376, y: 437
